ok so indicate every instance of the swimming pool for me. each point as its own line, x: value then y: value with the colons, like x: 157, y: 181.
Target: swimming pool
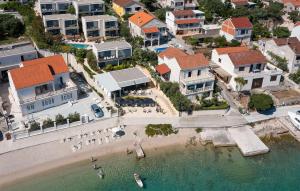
x: 158, y: 50
x: 81, y: 46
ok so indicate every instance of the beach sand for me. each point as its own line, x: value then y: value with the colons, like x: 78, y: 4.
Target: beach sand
x: 30, y: 161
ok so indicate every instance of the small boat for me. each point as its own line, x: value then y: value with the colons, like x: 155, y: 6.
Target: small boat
x: 138, y: 180
x: 295, y: 118
x: 100, y: 173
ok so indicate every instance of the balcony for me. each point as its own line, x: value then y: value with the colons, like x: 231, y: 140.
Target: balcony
x: 61, y: 90
x: 269, y: 69
x: 198, y: 90
x: 199, y: 79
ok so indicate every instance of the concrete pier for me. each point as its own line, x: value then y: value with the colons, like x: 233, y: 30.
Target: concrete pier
x: 248, y: 143
x: 139, y: 151
x: 218, y: 137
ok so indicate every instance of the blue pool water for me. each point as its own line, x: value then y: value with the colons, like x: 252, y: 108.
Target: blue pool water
x: 158, y: 50
x: 82, y: 46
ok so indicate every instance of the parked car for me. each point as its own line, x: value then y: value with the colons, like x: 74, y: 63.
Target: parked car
x: 98, y: 112
x: 1, y: 136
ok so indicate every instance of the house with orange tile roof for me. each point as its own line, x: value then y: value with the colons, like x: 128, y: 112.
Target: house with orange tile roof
x: 291, y: 5
x: 237, y: 28
x: 183, y: 22
x: 191, y: 72
x: 179, y: 4
x: 288, y: 48
x: 241, y: 62
x: 41, y: 83
x: 240, y: 3
x: 144, y: 24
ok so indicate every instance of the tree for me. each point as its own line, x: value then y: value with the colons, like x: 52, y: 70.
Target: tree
x: 71, y: 10
x: 10, y: 26
x: 279, y: 61
x: 192, y: 41
x: 260, y: 31
x: 149, y: 4
x: 92, y: 61
x: 234, y: 43
x: 295, y: 76
x: 220, y: 41
x: 294, y: 16
x: 260, y: 102
x: 161, y: 13
x: 281, y: 32
x: 240, y: 83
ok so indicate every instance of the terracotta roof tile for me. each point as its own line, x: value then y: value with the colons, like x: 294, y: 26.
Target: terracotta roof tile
x: 150, y: 30
x: 227, y: 50
x: 56, y: 62
x: 187, y: 21
x: 183, y: 13
x: 247, y: 57
x: 184, y: 60
x: 241, y: 22
x: 240, y: 2
x: 292, y: 42
x: 297, y: 24
x: 31, y: 75
x: 141, y: 18
x: 38, y: 71
x: 296, y: 3
x: 162, y: 69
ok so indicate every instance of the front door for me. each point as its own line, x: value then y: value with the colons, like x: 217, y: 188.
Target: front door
x: 257, y: 83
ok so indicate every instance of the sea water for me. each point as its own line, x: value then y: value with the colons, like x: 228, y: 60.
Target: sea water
x: 178, y: 168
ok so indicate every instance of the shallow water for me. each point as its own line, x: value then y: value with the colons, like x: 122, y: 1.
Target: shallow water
x: 179, y: 168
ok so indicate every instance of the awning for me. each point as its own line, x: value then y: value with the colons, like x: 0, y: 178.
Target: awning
x: 150, y: 30
x: 162, y: 69
x: 187, y: 21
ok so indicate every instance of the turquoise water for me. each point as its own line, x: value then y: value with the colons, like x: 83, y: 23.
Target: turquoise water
x: 82, y: 46
x: 179, y: 168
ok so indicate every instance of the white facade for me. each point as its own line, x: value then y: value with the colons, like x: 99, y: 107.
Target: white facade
x: 102, y: 26
x: 179, y: 4
x: 12, y: 55
x: 284, y: 51
x: 88, y: 7
x: 65, y: 24
x: 184, y: 24
x: 49, y: 7
x: 296, y: 31
x: 193, y: 82
x: 267, y: 73
x: 29, y: 100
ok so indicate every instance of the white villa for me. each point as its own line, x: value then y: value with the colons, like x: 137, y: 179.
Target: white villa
x: 185, y: 21
x: 190, y: 71
x: 251, y: 65
x: 41, y: 83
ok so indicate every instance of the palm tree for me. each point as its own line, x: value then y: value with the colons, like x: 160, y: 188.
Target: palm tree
x: 240, y: 83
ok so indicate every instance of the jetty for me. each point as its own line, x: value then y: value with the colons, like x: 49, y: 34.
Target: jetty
x: 219, y: 137
x: 139, y: 151
x: 286, y: 122
x: 247, y: 141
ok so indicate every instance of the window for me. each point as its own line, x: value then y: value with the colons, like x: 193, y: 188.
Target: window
x: 242, y: 68
x: 297, y: 57
x: 66, y: 96
x: 189, y: 74
x: 199, y: 73
x: 220, y: 60
x: 48, y: 101
x: 273, y: 78
x: 30, y: 107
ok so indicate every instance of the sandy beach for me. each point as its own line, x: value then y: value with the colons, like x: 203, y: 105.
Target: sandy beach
x: 30, y: 161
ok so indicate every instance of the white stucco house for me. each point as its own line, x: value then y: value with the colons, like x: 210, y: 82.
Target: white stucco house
x: 251, y: 65
x: 179, y: 4
x: 288, y: 48
x: 185, y: 21
x: 296, y: 30
x: 41, y: 83
x: 191, y: 72
x: 11, y: 56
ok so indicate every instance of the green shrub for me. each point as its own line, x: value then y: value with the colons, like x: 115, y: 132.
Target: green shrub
x: 295, y: 77
x: 260, y: 102
x: 60, y: 120
x: 198, y: 130
x: 159, y: 129
x: 48, y: 123
x: 73, y: 117
x: 34, y: 126
x: 92, y: 61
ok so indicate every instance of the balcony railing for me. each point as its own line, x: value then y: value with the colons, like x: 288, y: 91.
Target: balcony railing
x: 49, y: 94
x: 198, y: 90
x: 198, y: 79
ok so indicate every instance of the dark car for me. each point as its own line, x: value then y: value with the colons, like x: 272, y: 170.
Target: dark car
x: 1, y: 136
x: 97, y: 111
